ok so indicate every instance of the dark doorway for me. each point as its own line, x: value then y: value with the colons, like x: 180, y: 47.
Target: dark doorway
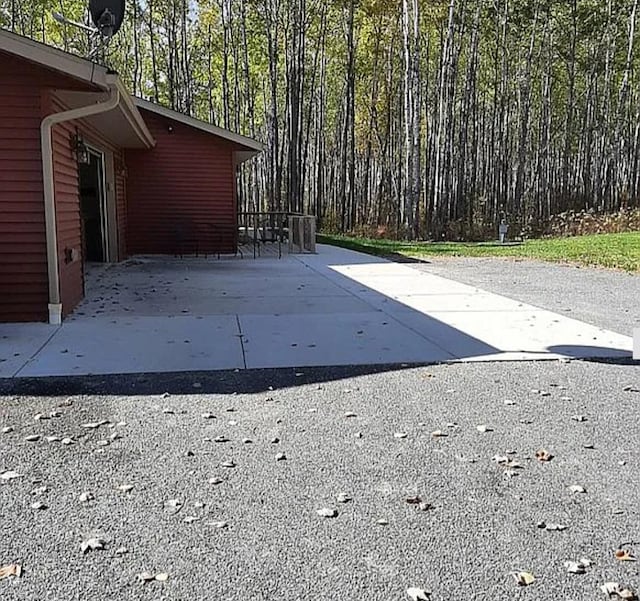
x: 93, y: 208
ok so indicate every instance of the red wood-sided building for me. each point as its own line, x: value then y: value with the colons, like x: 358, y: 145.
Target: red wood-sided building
x: 90, y: 173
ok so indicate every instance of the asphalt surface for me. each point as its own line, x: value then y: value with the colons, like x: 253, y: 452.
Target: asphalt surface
x: 602, y: 297
x: 482, y: 527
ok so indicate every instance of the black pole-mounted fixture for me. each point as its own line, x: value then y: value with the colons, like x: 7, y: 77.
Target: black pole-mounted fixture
x: 80, y: 149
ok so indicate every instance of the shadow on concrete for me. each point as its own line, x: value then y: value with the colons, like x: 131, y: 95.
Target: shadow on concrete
x: 595, y: 354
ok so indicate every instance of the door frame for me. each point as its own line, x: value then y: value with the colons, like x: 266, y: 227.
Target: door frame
x: 108, y: 209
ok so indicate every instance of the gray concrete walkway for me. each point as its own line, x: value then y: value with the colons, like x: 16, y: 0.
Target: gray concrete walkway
x: 335, y: 308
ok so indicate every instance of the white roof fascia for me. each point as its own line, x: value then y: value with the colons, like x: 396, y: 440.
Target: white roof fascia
x: 55, y: 59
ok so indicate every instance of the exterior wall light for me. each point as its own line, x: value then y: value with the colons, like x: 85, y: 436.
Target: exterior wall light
x: 80, y: 149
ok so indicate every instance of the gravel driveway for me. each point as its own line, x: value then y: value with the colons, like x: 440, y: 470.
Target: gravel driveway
x: 257, y: 535
x: 602, y: 297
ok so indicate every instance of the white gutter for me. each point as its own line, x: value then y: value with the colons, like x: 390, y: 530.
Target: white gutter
x: 55, y: 303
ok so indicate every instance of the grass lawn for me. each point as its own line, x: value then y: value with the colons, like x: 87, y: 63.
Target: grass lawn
x: 618, y: 251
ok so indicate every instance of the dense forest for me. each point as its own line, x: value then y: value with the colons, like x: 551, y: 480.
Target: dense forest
x: 423, y: 118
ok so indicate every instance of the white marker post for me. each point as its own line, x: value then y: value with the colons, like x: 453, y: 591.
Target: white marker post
x: 636, y: 344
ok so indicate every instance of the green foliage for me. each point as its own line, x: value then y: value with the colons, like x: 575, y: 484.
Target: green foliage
x: 617, y: 251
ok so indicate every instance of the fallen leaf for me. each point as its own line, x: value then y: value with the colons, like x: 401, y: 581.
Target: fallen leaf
x: 86, y: 497
x: 13, y: 569
x: 327, y: 512
x: 557, y: 527
x: 94, y: 425
x: 122, y: 551
x: 38, y: 505
x: 281, y: 457
x: 439, y: 434
x: 247, y: 441
x: 7, y: 429
x: 578, y: 418
x: 343, y: 497
x: 190, y: 519
x: 484, y: 428
x: 173, y: 503
x: 32, y: 437
x: 382, y: 522
x: 275, y: 440
x: 10, y: 475
x: 40, y: 490
x: 126, y: 487
x: 350, y: 414
x: 543, y: 455
x: 613, y: 588
x: 208, y: 416
x: 220, y: 439
x: 576, y: 488
x: 216, y: 480
x: 624, y: 555
x: 414, y: 500
x: 52, y: 438
x: 67, y: 441
x: 509, y: 402
x: 162, y: 577
x: 92, y: 544
x: 400, y: 435
x: 418, y: 594
x: 425, y: 506
x: 575, y: 567
x: 219, y: 524
x: 146, y: 576
x: 228, y: 464
x: 524, y: 578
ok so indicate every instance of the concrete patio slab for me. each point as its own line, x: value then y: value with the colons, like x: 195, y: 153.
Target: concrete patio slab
x: 371, y: 338
x: 19, y: 342
x: 338, y: 307
x: 140, y: 344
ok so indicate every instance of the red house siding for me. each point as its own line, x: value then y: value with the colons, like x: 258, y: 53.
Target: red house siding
x: 180, y: 194
x: 25, y: 98
x: 23, y: 255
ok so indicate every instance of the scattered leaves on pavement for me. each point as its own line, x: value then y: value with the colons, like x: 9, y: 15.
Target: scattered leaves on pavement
x: 228, y: 464
x: 10, y: 475
x: 400, y: 435
x: 484, y: 428
x: 32, y: 437
x: 439, y: 434
x: 343, y: 497
x: 216, y: 480
x: 38, y: 505
x: 162, y: 577
x: 624, y: 555
x: 281, y: 457
x: 350, y: 414
x: 126, y: 487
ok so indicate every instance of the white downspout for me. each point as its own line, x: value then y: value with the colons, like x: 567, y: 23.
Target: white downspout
x: 55, y: 304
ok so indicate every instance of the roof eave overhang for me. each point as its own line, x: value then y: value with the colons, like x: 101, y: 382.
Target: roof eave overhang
x: 134, y: 117
x: 55, y: 59
x: 250, y: 147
